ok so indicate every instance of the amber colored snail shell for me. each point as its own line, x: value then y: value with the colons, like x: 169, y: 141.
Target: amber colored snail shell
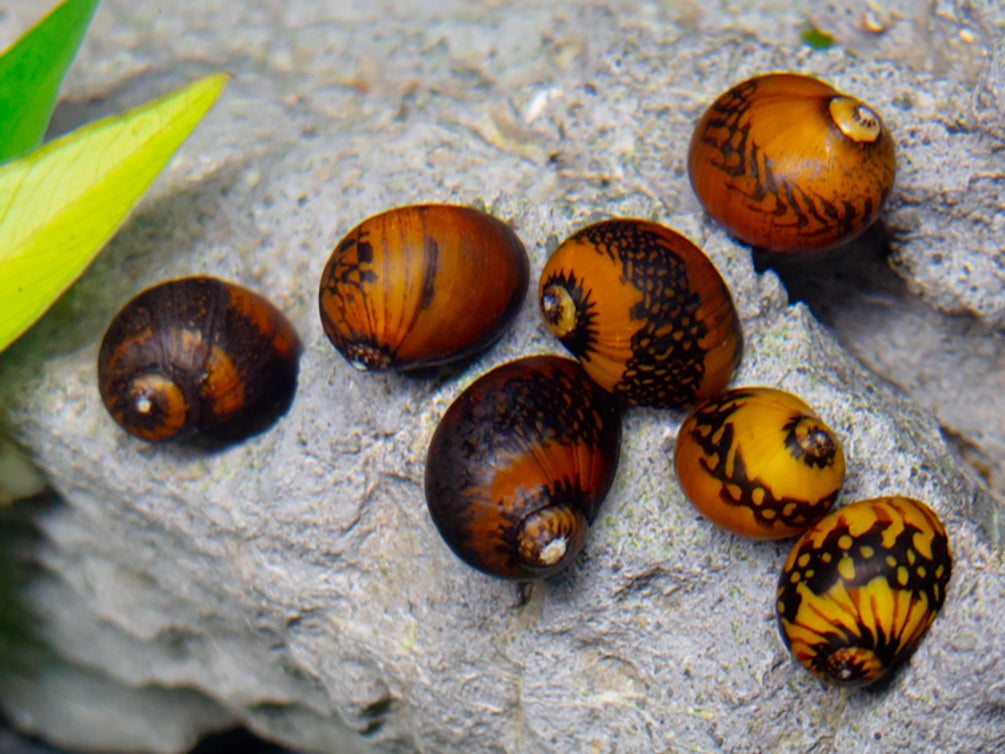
x: 197, y: 355
x: 759, y: 462
x: 645, y: 312
x: 787, y: 163
x: 519, y: 465
x: 422, y: 285
x: 860, y: 588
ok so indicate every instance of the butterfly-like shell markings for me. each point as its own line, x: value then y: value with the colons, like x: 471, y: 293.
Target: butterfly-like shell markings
x: 860, y: 588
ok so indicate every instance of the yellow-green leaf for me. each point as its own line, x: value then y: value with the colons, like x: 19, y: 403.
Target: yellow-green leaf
x: 60, y: 204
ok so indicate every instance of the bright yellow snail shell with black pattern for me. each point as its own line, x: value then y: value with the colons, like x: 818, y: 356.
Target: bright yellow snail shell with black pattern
x: 759, y: 462
x: 645, y: 312
x: 859, y: 590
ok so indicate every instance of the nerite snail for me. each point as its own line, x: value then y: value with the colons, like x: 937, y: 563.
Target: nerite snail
x: 197, y: 355
x: 786, y: 162
x: 861, y: 587
x: 422, y: 285
x: 759, y: 462
x: 645, y: 312
x: 519, y: 465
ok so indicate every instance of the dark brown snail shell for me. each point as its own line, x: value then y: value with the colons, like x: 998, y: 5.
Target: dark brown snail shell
x: 645, y: 312
x: 860, y: 588
x: 787, y: 163
x: 519, y: 465
x: 197, y: 355
x: 422, y: 285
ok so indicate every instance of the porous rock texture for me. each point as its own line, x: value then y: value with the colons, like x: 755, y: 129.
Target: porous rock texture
x: 947, y: 108
x: 294, y: 583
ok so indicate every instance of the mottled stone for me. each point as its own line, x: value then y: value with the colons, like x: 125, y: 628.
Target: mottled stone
x: 294, y: 583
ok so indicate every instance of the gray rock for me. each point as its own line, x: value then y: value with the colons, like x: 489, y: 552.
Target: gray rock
x: 943, y: 99
x: 294, y: 582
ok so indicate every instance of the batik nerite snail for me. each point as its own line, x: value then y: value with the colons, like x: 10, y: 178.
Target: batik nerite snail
x: 645, y: 312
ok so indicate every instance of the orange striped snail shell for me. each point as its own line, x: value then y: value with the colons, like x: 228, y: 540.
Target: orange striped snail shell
x: 422, y: 285
x: 786, y: 162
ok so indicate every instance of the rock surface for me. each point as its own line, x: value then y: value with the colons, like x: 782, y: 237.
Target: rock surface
x: 945, y: 102
x: 294, y: 583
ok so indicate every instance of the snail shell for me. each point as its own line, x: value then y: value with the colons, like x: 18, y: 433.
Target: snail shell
x: 861, y: 587
x: 786, y: 162
x: 519, y: 465
x: 759, y: 462
x: 197, y: 355
x: 422, y: 285
x: 645, y: 312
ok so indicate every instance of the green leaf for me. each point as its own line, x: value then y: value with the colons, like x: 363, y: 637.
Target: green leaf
x: 814, y: 37
x: 60, y: 204
x: 31, y: 71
